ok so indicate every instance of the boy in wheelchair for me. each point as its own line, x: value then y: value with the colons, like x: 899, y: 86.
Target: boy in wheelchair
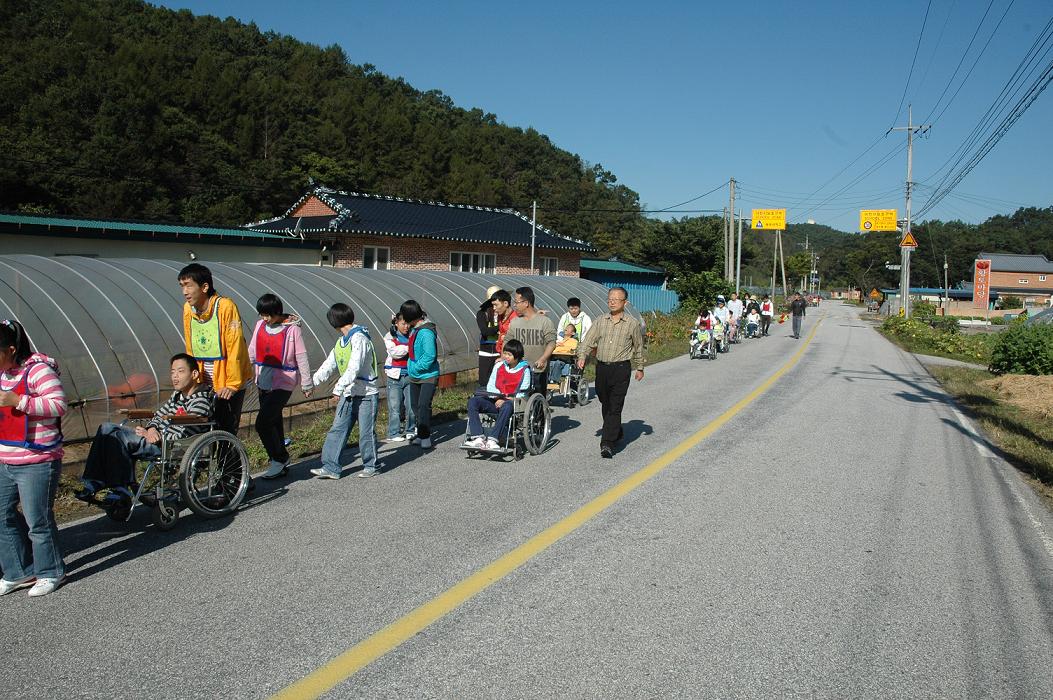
x: 116, y: 448
x: 510, y: 378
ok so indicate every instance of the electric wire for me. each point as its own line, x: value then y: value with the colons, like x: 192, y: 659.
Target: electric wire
x: 914, y: 60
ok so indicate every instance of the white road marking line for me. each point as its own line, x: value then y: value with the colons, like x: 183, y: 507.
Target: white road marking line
x: 984, y: 449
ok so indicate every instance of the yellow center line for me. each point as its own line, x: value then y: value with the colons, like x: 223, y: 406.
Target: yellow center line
x: 345, y: 665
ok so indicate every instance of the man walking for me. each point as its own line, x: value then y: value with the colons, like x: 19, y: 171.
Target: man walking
x: 797, y: 310
x: 618, y: 342
x: 536, y: 332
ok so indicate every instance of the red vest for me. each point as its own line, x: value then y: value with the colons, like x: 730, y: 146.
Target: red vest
x: 270, y: 348
x: 14, y: 425
x: 507, y: 380
x: 399, y: 362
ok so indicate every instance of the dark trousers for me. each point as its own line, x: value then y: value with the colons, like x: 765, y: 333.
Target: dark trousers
x: 481, y: 404
x: 486, y: 366
x: 113, y: 455
x: 269, y: 423
x: 228, y: 412
x: 797, y: 326
x: 612, y: 383
x: 421, y: 395
x: 765, y: 321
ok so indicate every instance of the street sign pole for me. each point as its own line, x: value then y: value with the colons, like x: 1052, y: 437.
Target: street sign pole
x: 911, y: 129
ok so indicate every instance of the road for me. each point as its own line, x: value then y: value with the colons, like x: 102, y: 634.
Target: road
x: 845, y: 533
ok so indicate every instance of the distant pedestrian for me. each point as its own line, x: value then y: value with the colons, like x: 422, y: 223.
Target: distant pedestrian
x: 280, y: 358
x: 617, y: 341
x: 355, y: 361
x: 32, y: 404
x: 396, y: 367
x: 767, y: 312
x: 536, y: 332
x: 423, y: 368
x: 797, y: 309
x: 486, y: 320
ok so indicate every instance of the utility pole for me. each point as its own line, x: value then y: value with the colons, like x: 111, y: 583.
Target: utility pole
x: 533, y: 235
x: 946, y: 287
x: 782, y: 261
x: 728, y: 259
x: 725, y: 242
x: 738, y: 256
x: 904, y: 276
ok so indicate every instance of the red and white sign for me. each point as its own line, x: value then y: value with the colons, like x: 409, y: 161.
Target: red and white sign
x: 982, y: 284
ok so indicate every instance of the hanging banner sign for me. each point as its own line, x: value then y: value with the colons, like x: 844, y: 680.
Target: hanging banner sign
x: 982, y: 284
x: 877, y: 220
x: 769, y: 219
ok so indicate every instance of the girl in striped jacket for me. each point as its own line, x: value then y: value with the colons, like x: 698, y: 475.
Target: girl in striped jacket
x: 32, y: 403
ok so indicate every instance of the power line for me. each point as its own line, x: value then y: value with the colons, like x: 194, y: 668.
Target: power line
x: 903, y: 97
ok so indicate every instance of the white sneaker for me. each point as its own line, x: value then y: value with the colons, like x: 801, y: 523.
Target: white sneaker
x: 398, y: 438
x: 323, y: 473
x: 492, y: 444
x: 275, y: 470
x: 43, y: 586
x: 9, y: 586
x: 425, y: 444
x: 478, y: 442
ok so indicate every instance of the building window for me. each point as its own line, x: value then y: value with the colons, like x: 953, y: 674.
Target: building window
x: 376, y: 258
x: 484, y: 263
x: 548, y: 266
x: 1022, y: 281
x: 1041, y: 278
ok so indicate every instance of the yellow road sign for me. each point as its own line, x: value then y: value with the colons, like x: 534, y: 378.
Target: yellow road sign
x: 877, y: 220
x: 769, y: 219
x: 909, y: 241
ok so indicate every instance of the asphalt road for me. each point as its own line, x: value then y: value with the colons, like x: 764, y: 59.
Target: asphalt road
x: 847, y: 534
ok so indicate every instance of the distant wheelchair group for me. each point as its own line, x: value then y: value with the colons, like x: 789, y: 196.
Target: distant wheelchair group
x: 208, y: 472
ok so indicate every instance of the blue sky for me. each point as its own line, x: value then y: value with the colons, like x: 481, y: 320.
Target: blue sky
x: 677, y: 97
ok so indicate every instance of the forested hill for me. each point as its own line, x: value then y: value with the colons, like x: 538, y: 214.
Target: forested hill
x: 115, y: 108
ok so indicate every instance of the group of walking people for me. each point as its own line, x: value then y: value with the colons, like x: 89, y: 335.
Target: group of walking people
x: 211, y: 374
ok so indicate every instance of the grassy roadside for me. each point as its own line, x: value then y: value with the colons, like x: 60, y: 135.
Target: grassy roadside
x: 920, y: 337
x: 667, y: 338
x: 1015, y: 412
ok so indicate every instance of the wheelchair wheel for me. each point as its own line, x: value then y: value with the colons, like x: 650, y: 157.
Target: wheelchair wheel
x: 166, y: 515
x: 214, y: 475
x: 582, y: 393
x: 536, y: 424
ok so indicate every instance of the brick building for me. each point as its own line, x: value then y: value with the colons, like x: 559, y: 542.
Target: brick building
x: 379, y: 232
x: 1029, y: 277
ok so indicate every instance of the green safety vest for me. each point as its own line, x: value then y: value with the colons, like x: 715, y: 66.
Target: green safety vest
x: 342, y: 355
x: 206, y: 337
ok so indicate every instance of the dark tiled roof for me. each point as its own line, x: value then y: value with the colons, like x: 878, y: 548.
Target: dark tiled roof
x: 393, y: 216
x: 1009, y: 262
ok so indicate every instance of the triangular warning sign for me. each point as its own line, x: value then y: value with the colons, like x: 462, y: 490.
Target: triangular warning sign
x: 909, y: 241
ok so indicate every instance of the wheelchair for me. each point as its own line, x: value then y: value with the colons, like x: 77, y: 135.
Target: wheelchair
x: 529, y: 429
x: 574, y: 387
x: 207, y: 472
x: 702, y: 344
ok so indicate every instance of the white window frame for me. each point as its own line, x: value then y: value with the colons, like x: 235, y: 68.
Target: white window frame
x: 376, y: 258
x: 548, y: 267
x: 480, y: 263
x: 1023, y: 281
x: 1041, y: 278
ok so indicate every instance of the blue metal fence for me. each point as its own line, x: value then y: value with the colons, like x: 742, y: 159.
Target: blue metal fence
x: 645, y: 294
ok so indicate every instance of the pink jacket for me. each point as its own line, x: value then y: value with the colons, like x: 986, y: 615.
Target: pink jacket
x: 45, y: 404
x: 271, y: 378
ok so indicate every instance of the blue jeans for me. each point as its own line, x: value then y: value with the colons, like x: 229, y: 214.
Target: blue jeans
x: 399, y: 399
x: 113, y: 455
x: 362, y: 409
x: 481, y: 404
x: 29, y: 540
x: 557, y: 369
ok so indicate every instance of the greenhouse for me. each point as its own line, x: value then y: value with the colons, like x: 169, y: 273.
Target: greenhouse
x: 113, y: 324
